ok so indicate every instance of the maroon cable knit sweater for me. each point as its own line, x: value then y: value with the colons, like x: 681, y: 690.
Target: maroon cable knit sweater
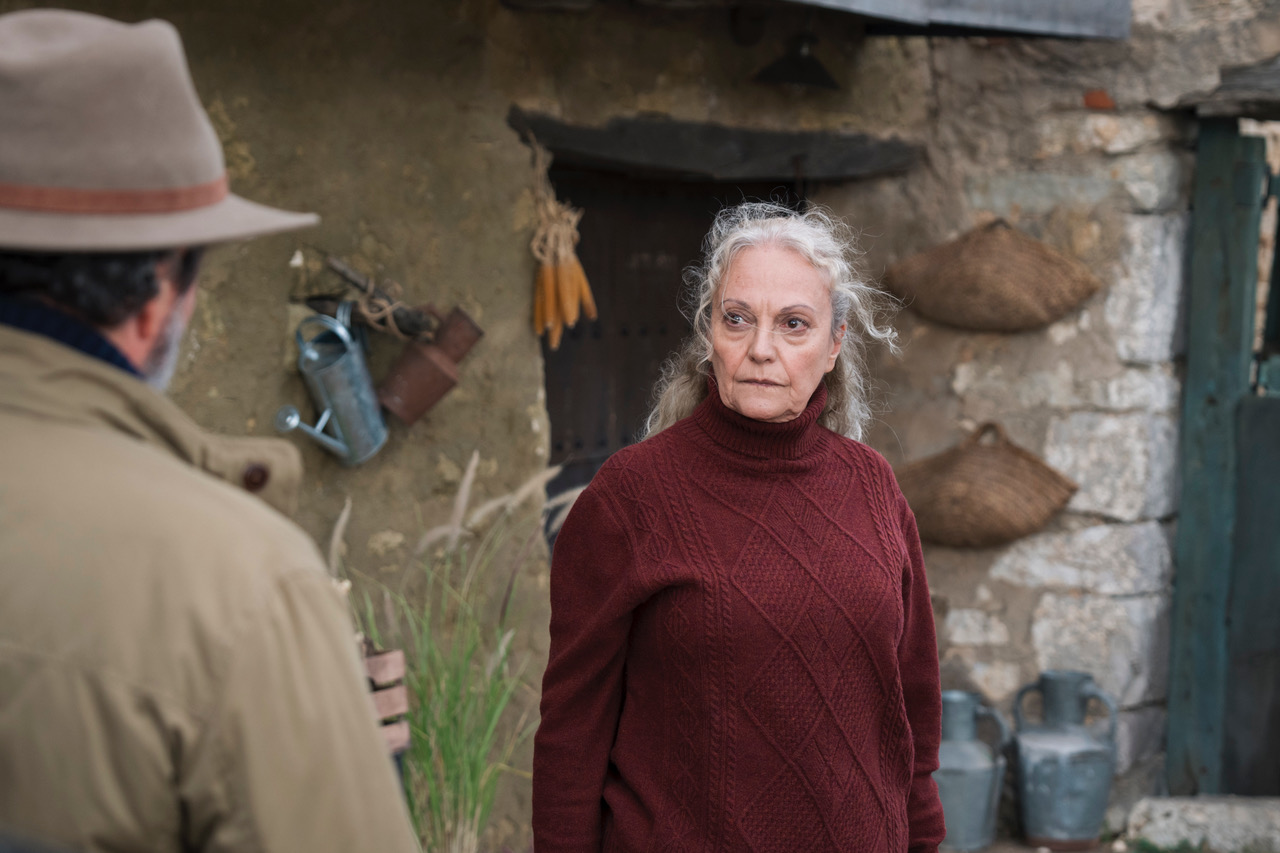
x: 742, y: 651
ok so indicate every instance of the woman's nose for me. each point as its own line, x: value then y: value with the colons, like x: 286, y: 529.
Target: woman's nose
x: 762, y: 346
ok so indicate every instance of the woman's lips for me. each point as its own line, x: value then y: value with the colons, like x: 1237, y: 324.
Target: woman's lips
x: 763, y: 382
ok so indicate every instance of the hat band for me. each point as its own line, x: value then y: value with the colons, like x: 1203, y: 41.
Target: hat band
x: 66, y: 200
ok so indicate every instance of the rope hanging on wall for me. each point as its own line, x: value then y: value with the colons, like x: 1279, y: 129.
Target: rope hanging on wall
x: 561, y: 293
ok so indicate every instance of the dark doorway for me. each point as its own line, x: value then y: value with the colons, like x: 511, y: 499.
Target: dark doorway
x: 637, y: 236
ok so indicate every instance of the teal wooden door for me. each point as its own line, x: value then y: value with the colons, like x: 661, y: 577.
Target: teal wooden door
x: 1224, y: 696
x: 1251, y: 725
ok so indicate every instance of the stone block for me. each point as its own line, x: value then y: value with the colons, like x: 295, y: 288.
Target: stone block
x: 1147, y: 389
x: 1153, y: 181
x: 1122, y: 642
x: 976, y: 628
x: 1111, y: 559
x: 1010, y: 387
x: 1215, y: 824
x: 1157, y: 14
x: 1144, y: 303
x: 1126, y: 465
x: 1139, y: 736
x: 997, y: 680
x: 1110, y: 133
x: 1035, y: 193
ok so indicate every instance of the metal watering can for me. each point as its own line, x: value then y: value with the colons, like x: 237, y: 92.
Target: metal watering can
x: 350, y: 424
x: 970, y: 774
x: 1064, y: 768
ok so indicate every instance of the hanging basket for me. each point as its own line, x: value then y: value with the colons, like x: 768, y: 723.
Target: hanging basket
x: 992, y: 279
x: 980, y: 493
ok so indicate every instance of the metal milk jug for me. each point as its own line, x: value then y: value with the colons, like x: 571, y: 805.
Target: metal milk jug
x: 1064, y: 768
x: 970, y: 773
x: 350, y: 424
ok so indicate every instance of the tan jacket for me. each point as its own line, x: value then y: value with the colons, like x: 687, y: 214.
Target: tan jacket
x: 177, y: 672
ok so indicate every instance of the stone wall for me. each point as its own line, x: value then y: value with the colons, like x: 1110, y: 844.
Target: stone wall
x: 389, y: 120
x: 1096, y: 394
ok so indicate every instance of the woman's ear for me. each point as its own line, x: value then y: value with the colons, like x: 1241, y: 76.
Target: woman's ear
x: 837, y: 341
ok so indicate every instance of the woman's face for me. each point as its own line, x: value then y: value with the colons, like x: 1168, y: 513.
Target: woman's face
x: 771, y: 337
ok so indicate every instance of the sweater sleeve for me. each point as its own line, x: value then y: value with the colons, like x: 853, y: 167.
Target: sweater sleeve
x: 918, y: 669
x: 592, y: 597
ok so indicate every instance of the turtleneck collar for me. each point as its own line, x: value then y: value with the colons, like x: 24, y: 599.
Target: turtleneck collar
x: 790, y: 440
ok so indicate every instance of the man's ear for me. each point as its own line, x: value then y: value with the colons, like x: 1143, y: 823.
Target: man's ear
x: 137, y: 335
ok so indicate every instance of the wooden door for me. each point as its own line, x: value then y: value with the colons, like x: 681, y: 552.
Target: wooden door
x: 637, y: 237
x: 1224, y: 692
x: 1251, y: 726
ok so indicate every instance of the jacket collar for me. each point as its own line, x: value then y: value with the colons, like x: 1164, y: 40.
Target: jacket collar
x: 46, y: 379
x: 31, y: 315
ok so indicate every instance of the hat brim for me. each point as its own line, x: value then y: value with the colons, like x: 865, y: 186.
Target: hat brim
x: 233, y: 218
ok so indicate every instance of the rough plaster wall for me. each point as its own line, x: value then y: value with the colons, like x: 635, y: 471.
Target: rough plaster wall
x: 383, y: 120
x: 390, y: 123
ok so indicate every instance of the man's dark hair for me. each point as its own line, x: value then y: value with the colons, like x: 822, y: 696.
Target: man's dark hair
x: 102, y: 288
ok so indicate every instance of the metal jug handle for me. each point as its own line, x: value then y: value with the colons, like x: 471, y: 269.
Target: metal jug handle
x: 987, y: 711
x: 335, y: 326
x: 1095, y: 692
x: 1019, y: 723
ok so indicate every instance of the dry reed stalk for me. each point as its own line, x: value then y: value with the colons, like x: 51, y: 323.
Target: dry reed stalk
x: 541, y: 315
x: 562, y: 503
x: 512, y: 500
x: 461, y: 500
x: 336, y: 537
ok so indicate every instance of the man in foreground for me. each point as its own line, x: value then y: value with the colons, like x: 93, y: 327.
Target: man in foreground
x: 177, y: 671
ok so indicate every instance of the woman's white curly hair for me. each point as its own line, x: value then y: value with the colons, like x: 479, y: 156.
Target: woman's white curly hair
x: 829, y: 245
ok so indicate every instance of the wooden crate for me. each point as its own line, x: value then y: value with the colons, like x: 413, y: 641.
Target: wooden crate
x: 390, y: 697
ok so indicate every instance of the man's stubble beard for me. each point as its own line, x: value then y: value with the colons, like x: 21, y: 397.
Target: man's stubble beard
x: 162, y: 362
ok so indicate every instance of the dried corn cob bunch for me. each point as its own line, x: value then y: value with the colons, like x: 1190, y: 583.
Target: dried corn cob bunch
x: 561, y: 293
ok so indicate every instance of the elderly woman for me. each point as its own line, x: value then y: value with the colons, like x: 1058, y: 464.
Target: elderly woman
x: 742, y: 645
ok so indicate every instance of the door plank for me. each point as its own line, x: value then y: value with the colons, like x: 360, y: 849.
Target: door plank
x: 1251, y: 753
x: 1227, y: 208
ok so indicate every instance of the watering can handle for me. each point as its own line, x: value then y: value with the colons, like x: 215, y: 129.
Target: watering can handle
x: 335, y: 326
x: 984, y: 710
x: 1019, y: 723
x: 1095, y: 692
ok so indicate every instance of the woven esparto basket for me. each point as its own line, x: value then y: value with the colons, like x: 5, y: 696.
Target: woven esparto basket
x: 979, y: 494
x: 992, y: 279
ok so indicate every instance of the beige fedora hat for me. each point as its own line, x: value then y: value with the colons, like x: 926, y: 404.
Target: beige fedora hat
x: 104, y: 145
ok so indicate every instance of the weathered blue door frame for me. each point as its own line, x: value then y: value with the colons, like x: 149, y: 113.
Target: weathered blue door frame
x: 1231, y: 186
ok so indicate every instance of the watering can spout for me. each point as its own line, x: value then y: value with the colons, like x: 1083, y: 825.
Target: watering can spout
x: 289, y: 418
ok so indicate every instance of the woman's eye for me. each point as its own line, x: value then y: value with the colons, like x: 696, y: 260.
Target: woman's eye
x: 794, y: 325
x: 734, y: 319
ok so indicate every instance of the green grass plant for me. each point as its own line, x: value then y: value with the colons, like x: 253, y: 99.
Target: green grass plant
x: 459, y: 672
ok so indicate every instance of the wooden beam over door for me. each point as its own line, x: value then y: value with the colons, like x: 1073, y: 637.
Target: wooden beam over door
x: 702, y: 151
x: 1248, y: 91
